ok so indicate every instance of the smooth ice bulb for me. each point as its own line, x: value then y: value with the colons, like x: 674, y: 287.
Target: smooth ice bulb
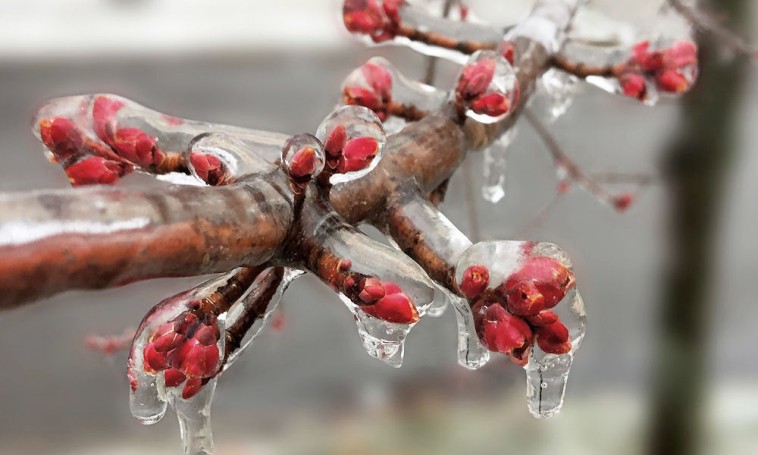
x: 487, y: 89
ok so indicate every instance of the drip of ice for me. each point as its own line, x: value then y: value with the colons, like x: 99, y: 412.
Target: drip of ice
x: 235, y: 154
x: 612, y: 86
x: 555, y: 94
x: 546, y: 374
x: 494, y: 166
x: 259, y: 286
x: 147, y: 397
x: 471, y: 353
x: 382, y: 340
x: 440, y: 303
x: 194, y: 416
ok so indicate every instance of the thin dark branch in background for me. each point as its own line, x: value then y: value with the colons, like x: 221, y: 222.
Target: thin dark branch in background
x: 431, y: 62
x: 625, y: 178
x: 539, y: 218
x: 708, y: 24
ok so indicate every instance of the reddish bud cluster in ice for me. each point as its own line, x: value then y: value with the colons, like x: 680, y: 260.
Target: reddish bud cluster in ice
x: 673, y: 69
x: 369, y: 86
x: 512, y: 315
x: 382, y: 299
x: 476, y: 91
x: 186, y: 350
x: 377, y: 19
x: 345, y: 154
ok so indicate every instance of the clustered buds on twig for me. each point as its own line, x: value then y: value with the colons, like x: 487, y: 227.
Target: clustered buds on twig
x: 370, y: 86
x: 512, y: 315
x: 673, y: 69
x: 377, y: 19
x: 487, y: 86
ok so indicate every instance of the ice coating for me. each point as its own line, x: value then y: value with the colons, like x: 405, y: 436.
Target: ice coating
x: 303, y: 157
x: 353, y: 139
x: 525, y: 305
x: 378, y: 85
x: 494, y: 166
x: 487, y: 89
x: 128, y: 131
x: 220, y: 158
x: 400, y: 22
x: 471, y: 353
x: 255, y: 295
x: 556, y: 91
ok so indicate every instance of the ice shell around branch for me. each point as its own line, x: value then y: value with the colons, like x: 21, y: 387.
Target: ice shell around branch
x: 218, y: 158
x: 354, y: 140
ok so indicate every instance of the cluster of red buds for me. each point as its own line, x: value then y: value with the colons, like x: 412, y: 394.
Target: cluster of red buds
x: 370, y: 86
x: 673, y: 69
x: 84, y: 160
x: 381, y: 299
x: 379, y: 20
x: 344, y: 154
x: 511, y: 316
x: 476, y: 91
x: 186, y: 350
x: 303, y: 159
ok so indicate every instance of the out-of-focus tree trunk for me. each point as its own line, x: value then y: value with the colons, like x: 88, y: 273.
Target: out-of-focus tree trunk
x: 696, y: 167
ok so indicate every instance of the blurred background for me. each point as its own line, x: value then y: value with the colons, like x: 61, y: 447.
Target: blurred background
x: 309, y: 388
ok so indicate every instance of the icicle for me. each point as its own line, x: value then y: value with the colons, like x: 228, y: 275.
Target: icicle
x: 494, y: 166
x: 382, y: 340
x: 194, y: 416
x: 237, y: 311
x: 471, y: 353
x: 555, y: 94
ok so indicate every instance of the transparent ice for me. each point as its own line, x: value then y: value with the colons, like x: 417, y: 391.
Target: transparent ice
x: 494, y: 166
x: 503, y: 82
x: 555, y: 93
x: 194, y: 416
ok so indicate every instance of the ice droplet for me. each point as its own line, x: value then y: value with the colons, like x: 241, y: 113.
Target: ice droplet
x: 194, y: 416
x: 487, y: 87
x: 382, y: 340
x: 147, y: 401
x: 471, y: 353
x: 494, y: 165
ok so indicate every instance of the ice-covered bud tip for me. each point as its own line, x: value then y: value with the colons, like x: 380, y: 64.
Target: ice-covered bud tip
x: 475, y: 280
x: 508, y: 50
x: 208, y: 167
x: 136, y: 146
x: 61, y: 136
x: 104, y: 111
x: 95, y: 170
x: 375, y: 18
x: 303, y: 158
x: 390, y: 303
x: 500, y: 331
x: 623, y: 201
x: 553, y: 338
x: 369, y: 86
x: 539, y: 284
x: 487, y: 88
x: 633, y: 85
x: 353, y: 139
x: 673, y: 68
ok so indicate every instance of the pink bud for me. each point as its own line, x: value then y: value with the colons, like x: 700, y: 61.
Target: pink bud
x: 173, y: 377
x: 304, y: 163
x: 196, y: 360
x: 136, y: 146
x: 360, y: 96
x: 475, y: 78
x: 633, y: 85
x: 363, y: 16
x: 543, y: 318
x: 104, y: 111
x: 208, y: 167
x: 539, y: 284
x: 207, y: 335
x: 336, y: 141
x: 492, y: 104
x: 681, y: 54
x: 392, y: 9
x: 379, y: 78
x: 475, y: 280
x: 395, y: 307
x: 508, y: 51
x: 166, y: 339
x: 623, y: 201
x: 358, y: 154
x: 191, y: 388
x: 153, y: 360
x: 672, y: 81
x: 61, y: 136
x: 554, y: 338
x: 499, y: 330
x: 372, y: 290
x: 94, y: 170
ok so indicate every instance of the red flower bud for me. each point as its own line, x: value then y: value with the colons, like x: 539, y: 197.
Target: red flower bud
x: 648, y: 61
x: 173, y: 377
x: 207, y: 335
x: 539, y: 284
x: 208, y: 167
x: 680, y: 54
x: 360, y: 96
x: 499, y: 330
x: 380, y: 79
x: 633, y: 85
x: 136, y: 146
x: 395, y: 306
x: 336, y: 141
x: 475, y: 78
x: 166, y: 339
x: 61, y: 136
x: 672, y: 81
x: 542, y: 319
x: 344, y: 265
x: 104, y: 111
x: 508, y: 51
x: 191, y: 388
x: 153, y: 360
x: 196, y: 360
x: 623, y: 201
x: 554, y: 338
x: 372, y: 290
x: 475, y: 280
x: 363, y: 16
x: 94, y: 170
x: 358, y: 154
x: 492, y: 104
x: 303, y: 163
x: 392, y: 9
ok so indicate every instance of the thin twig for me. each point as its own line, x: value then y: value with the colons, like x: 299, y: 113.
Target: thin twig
x: 431, y: 61
x: 539, y: 218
